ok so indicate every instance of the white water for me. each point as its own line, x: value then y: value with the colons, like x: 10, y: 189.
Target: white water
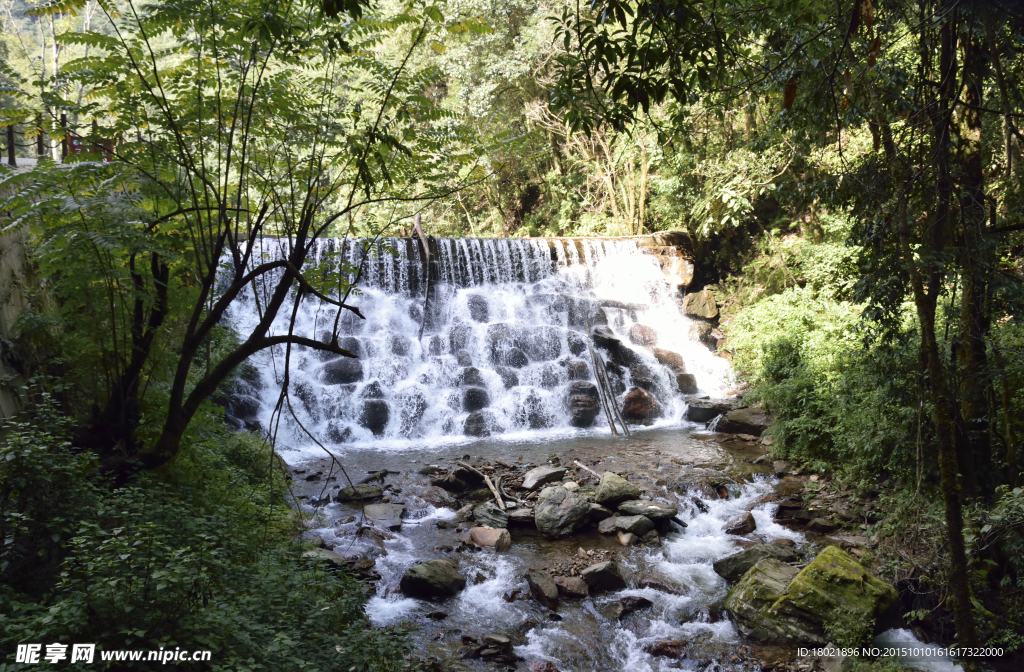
x: 543, y: 294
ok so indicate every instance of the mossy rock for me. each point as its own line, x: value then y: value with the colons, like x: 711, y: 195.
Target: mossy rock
x: 775, y: 603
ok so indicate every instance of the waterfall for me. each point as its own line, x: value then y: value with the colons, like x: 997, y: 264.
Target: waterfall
x: 504, y: 349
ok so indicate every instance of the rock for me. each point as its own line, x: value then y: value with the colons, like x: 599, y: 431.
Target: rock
x: 784, y: 542
x: 542, y: 666
x: 572, y: 587
x: 618, y: 352
x: 672, y: 360
x: 820, y: 525
x: 731, y: 568
x: 398, y: 345
x: 578, y: 370
x: 583, y: 403
x: 627, y: 538
x: 603, y: 576
x: 330, y: 557
x: 460, y: 479
x: 641, y: 334
x: 471, y: 376
x: 700, y: 410
x: 476, y: 425
x: 577, y: 343
x: 661, y: 586
x: 643, y: 507
x: 675, y: 648
x: 488, y: 537
x: 543, y: 587
x: 686, y: 383
x: 388, y: 516
x: 559, y: 513
x: 316, y: 541
x: 700, y: 304
x: 640, y: 407
x: 781, y: 468
x: 458, y: 337
x: 478, y: 308
x: 631, y: 603
x: 532, y: 411
x: 375, y: 415
x: 463, y: 358
x: 342, y: 371
x: 543, y: 343
x: 607, y: 526
x: 521, y: 516
x: 638, y: 525
x: 489, y: 514
x: 372, y: 390
x: 353, y: 493
x: 543, y: 475
x: 439, y: 497
x: 474, y: 399
x: 643, y: 377
x: 750, y: 420
x: 776, y: 603
x: 509, y: 378
x: 437, y: 615
x: 599, y: 513
x: 838, y: 662
x: 571, y: 486
x: 614, y: 489
x: 741, y: 524
x: 434, y: 578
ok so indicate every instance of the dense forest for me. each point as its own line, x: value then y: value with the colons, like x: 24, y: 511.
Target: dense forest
x: 850, y: 177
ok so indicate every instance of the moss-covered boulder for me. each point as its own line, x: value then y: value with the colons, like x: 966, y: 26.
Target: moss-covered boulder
x: 834, y: 594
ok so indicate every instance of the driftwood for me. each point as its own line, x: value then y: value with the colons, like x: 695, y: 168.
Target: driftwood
x: 487, y: 481
x: 611, y: 398
x: 600, y: 385
x: 583, y: 466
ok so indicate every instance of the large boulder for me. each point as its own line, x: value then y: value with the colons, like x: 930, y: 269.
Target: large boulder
x: 539, y: 476
x: 705, y: 410
x: 543, y: 344
x: 434, y: 578
x: 543, y: 587
x: 478, y: 424
x: 640, y: 407
x: 388, y: 516
x: 638, y: 525
x: 741, y: 524
x: 775, y: 602
x: 672, y: 360
x: 489, y: 514
x: 686, y: 383
x: 532, y: 411
x: 653, y: 510
x: 643, y: 377
x: 577, y: 369
x: 701, y: 304
x: 354, y: 493
x: 614, y: 489
x: 375, y: 415
x: 471, y: 376
x: 559, y: 512
x: 731, y: 568
x: 750, y: 420
x: 474, y: 399
x: 506, y: 345
x: 342, y: 371
x: 603, y: 576
x: 641, y: 334
x: 583, y: 403
x: 572, y: 587
x: 478, y: 308
x: 618, y: 352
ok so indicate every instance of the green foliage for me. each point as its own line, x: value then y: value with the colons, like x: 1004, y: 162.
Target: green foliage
x: 849, y: 629
x: 197, y: 556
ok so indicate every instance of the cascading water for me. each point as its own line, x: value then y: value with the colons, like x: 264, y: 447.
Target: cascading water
x: 504, y: 349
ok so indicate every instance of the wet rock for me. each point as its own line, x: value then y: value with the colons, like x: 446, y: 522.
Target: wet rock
x: 434, y: 578
x: 627, y: 539
x: 490, y: 538
x: 607, y: 526
x: 543, y: 587
x: 543, y: 344
x: 327, y: 556
x: 702, y: 410
x: 514, y: 357
x: 372, y: 390
x: 375, y: 415
x: 776, y: 603
x: 437, y: 615
x: 643, y: 507
x: 674, y: 648
x: 640, y: 407
x: 458, y: 337
x: 489, y: 514
x: 559, y: 513
x: 741, y: 524
x: 572, y: 587
x: 784, y: 542
x: 577, y: 343
x: 751, y: 420
x: 571, y: 486
x: 820, y: 525
x: 543, y: 666
x: 478, y: 308
x: 316, y: 541
x: 354, y: 493
x: 618, y: 352
x: 387, y: 516
x: 470, y: 376
x: 631, y: 603
x: 509, y: 378
x: 435, y: 347
x: 549, y: 376
x: 578, y: 370
x: 781, y: 468
x: 398, y: 345
x: 672, y: 360
x: 476, y: 425
x: 641, y: 334
x: 543, y: 475
x: 686, y: 383
x: 643, y: 377
x: 460, y: 479
x: 638, y: 525
x: 603, y: 576
x: 521, y: 516
x: 583, y: 403
x: 463, y: 358
x: 731, y: 568
x: 701, y: 304
x: 439, y: 497
x: 599, y: 513
x: 614, y: 489
x: 474, y: 399
x: 660, y: 586
x: 342, y: 371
